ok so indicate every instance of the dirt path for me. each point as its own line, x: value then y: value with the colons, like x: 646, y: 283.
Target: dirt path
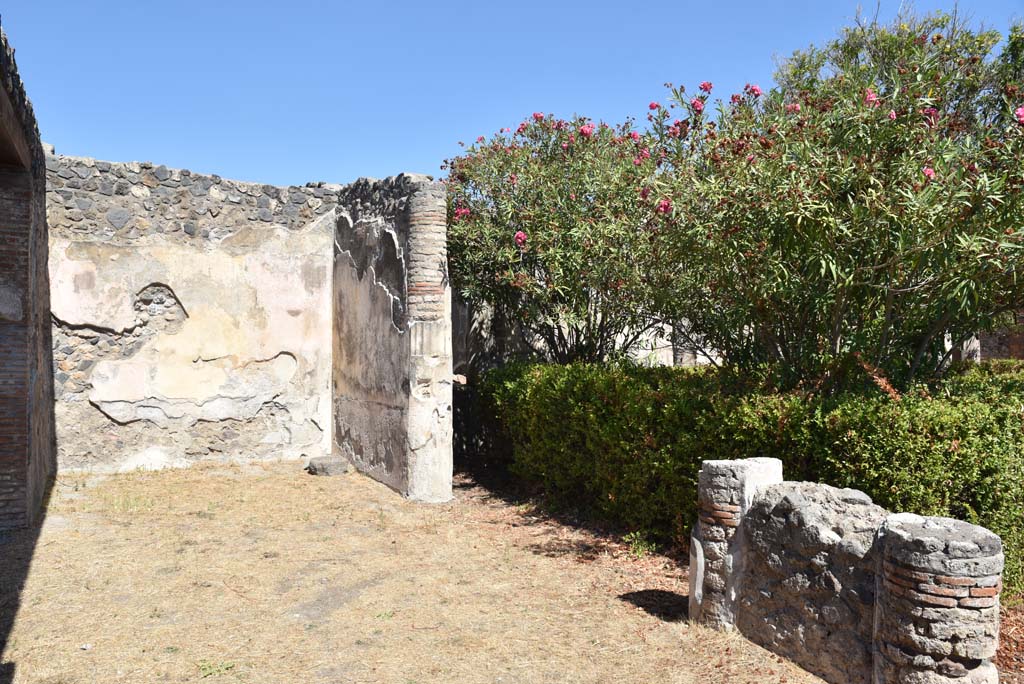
x: 264, y: 574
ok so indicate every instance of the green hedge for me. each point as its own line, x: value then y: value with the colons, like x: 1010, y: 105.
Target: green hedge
x: 624, y: 443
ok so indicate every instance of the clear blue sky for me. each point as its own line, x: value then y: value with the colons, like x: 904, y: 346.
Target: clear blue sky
x: 290, y: 92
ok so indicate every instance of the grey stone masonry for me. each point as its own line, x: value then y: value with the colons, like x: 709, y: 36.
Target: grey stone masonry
x: 937, y: 609
x: 811, y: 590
x: 840, y: 586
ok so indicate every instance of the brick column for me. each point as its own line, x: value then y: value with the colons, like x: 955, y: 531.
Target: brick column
x: 15, y: 233
x: 430, y: 340
x: 937, y: 602
x: 725, y: 492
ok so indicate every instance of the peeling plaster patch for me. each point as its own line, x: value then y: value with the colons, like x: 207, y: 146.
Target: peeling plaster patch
x: 167, y: 391
x: 373, y: 247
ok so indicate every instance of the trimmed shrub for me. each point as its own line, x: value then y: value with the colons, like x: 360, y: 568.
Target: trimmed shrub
x: 625, y: 443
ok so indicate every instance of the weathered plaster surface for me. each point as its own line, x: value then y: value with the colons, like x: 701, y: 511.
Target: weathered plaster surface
x: 392, y: 337
x: 197, y: 317
x: 188, y: 323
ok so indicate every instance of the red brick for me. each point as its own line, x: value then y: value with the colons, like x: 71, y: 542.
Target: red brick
x: 979, y: 602
x: 936, y: 590
x: 929, y: 600
x: 955, y: 581
x: 907, y: 572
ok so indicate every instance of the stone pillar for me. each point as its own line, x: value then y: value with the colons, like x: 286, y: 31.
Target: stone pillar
x: 725, y: 491
x: 430, y: 337
x: 937, y: 602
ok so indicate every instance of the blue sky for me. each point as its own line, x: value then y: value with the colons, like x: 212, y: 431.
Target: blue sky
x: 286, y: 93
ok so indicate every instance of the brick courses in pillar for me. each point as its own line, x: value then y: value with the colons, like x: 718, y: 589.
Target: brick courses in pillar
x: 937, y: 609
x: 725, y: 491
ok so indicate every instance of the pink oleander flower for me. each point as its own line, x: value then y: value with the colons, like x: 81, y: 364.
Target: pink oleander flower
x: 587, y: 130
x: 653, y: 106
x: 754, y: 90
x: 635, y: 136
x: 506, y: 130
x: 928, y: 172
x: 645, y: 193
x: 461, y: 213
x: 520, y: 239
x: 513, y: 179
x: 645, y: 153
x: 750, y: 159
x: 637, y: 161
x: 565, y: 146
x: 931, y: 115
x: 522, y: 127
x: 736, y: 98
x: 480, y: 139
x: 892, y: 115
x: 706, y: 86
x: 664, y: 206
x: 871, y: 98
x: 697, y: 104
x: 793, y: 108
x: 538, y: 116
x: 1019, y: 113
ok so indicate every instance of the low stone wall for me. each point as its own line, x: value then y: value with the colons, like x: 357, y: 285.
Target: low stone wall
x: 839, y: 585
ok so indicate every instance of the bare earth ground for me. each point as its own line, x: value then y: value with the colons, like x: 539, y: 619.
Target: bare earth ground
x: 262, y: 573
x: 1011, y: 646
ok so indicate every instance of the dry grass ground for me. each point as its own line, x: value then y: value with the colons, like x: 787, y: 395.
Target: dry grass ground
x: 264, y: 574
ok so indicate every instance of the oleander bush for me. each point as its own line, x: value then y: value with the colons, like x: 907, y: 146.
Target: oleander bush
x: 624, y: 443
x: 870, y: 203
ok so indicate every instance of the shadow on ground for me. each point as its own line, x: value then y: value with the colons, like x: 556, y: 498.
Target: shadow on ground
x: 482, y: 459
x: 665, y: 605
x: 17, y: 548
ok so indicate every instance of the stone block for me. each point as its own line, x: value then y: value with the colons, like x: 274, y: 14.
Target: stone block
x: 327, y: 465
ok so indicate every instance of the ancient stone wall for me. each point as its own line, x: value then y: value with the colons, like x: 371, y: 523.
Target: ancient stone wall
x: 192, y: 315
x: 392, y: 335
x: 839, y: 585
x: 26, y: 389
x: 197, y: 317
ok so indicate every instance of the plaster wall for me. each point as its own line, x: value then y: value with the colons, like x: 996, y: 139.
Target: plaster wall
x: 192, y: 316
x: 201, y: 318
x: 392, y: 335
